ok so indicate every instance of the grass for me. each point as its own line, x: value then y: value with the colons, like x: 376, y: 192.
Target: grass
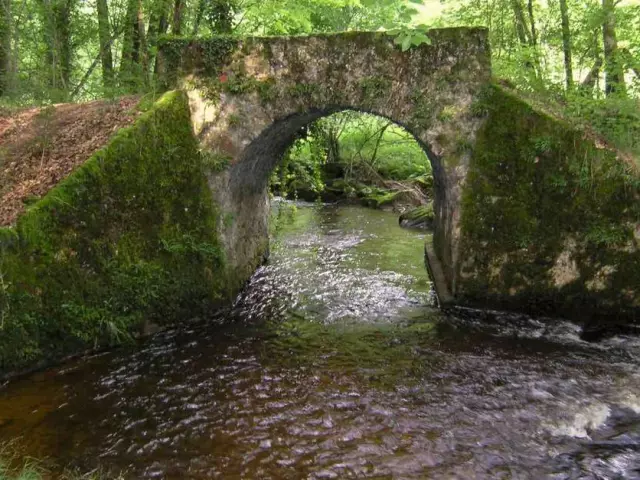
x: 14, y: 465
x: 27, y: 472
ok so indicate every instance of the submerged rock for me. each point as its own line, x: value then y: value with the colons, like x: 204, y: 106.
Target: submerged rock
x: 419, y: 217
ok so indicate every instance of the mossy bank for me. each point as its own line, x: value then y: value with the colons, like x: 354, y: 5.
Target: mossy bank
x: 550, y: 218
x: 129, y: 237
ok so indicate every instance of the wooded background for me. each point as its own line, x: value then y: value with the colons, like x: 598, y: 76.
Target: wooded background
x: 572, y: 52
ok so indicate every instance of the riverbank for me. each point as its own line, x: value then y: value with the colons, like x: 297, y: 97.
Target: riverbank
x: 91, y: 263
x: 42, y: 146
x: 333, y: 360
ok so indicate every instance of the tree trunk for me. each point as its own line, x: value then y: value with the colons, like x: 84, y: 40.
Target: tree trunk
x: 104, y: 32
x: 532, y: 21
x: 143, y: 52
x: 130, y: 61
x: 566, y: 44
x: 526, y: 36
x: 220, y: 15
x: 198, y: 19
x: 590, y: 81
x: 50, y: 56
x: 56, y: 22
x: 613, y: 67
x: 521, y: 25
x: 158, y: 16
x: 374, y: 156
x: 176, y: 26
x: 333, y: 148
x: 5, y: 46
x: 62, y: 13
x: 157, y: 26
x: 161, y: 26
x: 130, y: 26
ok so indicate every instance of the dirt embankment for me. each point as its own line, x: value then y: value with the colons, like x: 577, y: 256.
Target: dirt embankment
x: 39, y: 147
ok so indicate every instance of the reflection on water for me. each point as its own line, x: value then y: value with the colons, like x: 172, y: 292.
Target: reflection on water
x: 335, y: 366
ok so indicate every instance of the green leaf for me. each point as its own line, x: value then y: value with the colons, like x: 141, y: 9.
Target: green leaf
x: 406, y: 43
x: 420, y: 39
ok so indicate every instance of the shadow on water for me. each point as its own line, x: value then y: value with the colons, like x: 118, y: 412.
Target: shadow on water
x: 333, y: 364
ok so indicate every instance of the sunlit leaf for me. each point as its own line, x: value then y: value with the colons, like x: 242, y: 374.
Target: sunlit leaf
x: 406, y: 43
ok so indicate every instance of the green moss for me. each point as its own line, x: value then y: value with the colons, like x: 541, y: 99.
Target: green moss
x: 209, y: 55
x: 447, y: 113
x: 235, y: 120
x: 423, y: 107
x: 535, y: 184
x: 379, y: 198
x: 128, y: 237
x: 147, y: 102
x: 375, y: 89
x: 8, y: 237
x: 215, y: 162
x: 234, y: 84
x: 267, y: 90
x: 239, y: 84
x: 419, y: 216
x: 303, y: 90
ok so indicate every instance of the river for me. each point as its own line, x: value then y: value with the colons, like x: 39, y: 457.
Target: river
x: 335, y: 363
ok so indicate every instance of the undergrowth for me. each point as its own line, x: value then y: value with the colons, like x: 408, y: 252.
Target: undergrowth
x: 614, y: 119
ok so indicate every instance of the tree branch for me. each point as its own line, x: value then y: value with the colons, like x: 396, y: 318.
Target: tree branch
x: 94, y: 64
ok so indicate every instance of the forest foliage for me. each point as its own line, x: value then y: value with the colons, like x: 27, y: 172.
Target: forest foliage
x: 579, y: 57
x: 354, y: 155
x: 53, y: 50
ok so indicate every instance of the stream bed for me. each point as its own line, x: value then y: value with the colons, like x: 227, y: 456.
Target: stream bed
x: 335, y: 363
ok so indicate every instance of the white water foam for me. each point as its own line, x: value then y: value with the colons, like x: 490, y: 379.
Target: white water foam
x: 586, y: 419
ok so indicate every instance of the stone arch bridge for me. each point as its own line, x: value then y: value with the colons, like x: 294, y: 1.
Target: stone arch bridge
x: 170, y: 217
x: 511, y: 229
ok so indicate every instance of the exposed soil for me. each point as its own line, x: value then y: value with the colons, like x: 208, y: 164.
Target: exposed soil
x: 40, y: 147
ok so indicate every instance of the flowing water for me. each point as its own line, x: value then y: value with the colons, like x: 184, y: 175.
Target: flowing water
x: 335, y: 364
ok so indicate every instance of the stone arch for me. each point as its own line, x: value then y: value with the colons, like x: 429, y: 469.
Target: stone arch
x: 249, y: 97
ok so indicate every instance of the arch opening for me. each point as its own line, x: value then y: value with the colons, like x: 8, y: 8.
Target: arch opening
x: 356, y: 157
x: 248, y: 181
x: 250, y: 97
x: 267, y: 150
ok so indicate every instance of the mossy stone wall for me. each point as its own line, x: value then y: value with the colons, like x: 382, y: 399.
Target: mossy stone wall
x: 530, y: 214
x: 129, y: 237
x: 550, y: 218
x: 250, y: 97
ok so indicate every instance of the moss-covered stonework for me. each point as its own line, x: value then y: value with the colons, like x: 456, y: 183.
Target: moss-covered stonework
x: 419, y: 217
x: 546, y: 221
x: 550, y: 219
x: 250, y: 97
x: 130, y: 237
